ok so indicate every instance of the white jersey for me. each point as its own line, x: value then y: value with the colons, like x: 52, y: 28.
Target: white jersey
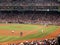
x: 13, y: 31
x: 42, y: 31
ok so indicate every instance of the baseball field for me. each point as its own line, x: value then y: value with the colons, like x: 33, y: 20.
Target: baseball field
x: 11, y: 32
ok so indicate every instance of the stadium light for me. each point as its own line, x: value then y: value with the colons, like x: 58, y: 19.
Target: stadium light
x: 47, y: 9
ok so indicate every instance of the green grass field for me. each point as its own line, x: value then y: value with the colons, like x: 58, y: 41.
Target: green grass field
x: 26, y: 27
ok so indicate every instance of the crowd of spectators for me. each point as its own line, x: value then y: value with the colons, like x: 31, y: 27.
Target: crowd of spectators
x: 37, y: 42
x: 27, y: 2
x: 30, y: 17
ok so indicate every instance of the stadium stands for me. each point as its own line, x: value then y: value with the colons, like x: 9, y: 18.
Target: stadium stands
x: 30, y: 17
x: 35, y: 12
x: 28, y: 4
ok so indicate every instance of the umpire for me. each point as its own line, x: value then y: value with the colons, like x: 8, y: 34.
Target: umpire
x: 21, y: 33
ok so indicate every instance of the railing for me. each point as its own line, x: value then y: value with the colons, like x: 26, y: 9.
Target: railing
x: 33, y: 8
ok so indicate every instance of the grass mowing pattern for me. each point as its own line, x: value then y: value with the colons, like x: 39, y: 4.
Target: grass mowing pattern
x: 39, y: 34
x: 8, y: 38
x: 18, y: 27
